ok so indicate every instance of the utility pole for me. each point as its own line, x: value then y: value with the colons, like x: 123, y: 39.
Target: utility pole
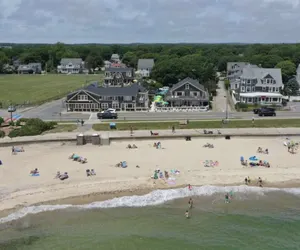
x: 226, y: 112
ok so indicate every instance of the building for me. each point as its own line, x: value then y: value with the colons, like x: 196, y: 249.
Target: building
x: 115, y: 58
x: 95, y: 98
x: 234, y: 70
x: 259, y: 86
x: 145, y: 67
x: 118, y: 77
x: 71, y: 66
x: 188, y: 92
x: 30, y: 68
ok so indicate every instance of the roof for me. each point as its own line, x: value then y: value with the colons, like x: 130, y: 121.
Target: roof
x: 115, y: 56
x: 145, y: 63
x: 260, y: 73
x: 65, y: 61
x: 191, y: 81
x: 117, y: 69
x: 260, y: 94
x: 131, y: 90
x: 239, y: 65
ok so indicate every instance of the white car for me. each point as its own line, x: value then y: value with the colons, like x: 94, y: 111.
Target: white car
x: 110, y: 110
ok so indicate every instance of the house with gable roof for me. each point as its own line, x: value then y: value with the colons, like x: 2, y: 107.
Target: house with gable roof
x: 187, y: 92
x: 145, y: 67
x: 71, y: 66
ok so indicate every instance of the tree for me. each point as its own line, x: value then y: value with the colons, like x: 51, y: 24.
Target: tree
x: 130, y: 59
x: 291, y: 88
x: 3, y: 61
x: 94, y: 60
x: 288, y: 70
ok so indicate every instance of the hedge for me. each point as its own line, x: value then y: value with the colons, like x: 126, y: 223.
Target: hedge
x: 33, y: 126
x: 2, y: 134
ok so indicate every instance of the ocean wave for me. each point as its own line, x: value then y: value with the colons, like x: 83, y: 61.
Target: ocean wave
x: 153, y: 198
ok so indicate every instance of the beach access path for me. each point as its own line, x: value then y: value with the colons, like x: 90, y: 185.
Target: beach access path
x: 144, y: 134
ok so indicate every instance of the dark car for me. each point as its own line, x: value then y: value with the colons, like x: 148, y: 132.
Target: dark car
x: 267, y: 112
x: 255, y: 111
x: 107, y: 115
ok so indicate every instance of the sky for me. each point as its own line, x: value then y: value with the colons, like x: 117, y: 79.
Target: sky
x: 150, y: 21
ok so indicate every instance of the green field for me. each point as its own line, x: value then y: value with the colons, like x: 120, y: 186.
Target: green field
x: 37, y: 89
x: 264, y: 123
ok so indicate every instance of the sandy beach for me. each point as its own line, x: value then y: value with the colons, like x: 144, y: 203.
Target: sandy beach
x: 18, y: 188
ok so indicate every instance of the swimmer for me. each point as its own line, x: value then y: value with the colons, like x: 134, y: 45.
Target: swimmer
x: 190, y: 187
x: 246, y: 181
x: 187, y: 214
x: 227, y: 198
x: 191, y: 203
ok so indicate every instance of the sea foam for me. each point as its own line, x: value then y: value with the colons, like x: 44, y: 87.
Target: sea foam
x: 151, y: 199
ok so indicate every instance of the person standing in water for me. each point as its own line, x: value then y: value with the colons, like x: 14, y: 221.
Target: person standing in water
x: 259, y: 182
x: 227, y: 198
x: 187, y: 214
x: 190, y: 187
x: 191, y: 203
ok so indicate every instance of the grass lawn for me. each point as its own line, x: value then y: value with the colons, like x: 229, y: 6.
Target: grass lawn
x: 264, y: 123
x: 62, y: 128
x: 37, y: 89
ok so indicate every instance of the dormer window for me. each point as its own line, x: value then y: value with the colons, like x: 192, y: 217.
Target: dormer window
x: 187, y: 86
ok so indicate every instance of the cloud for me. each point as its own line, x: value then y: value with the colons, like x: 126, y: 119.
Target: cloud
x: 119, y: 21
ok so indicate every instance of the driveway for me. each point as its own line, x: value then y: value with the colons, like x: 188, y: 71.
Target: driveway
x: 220, y: 101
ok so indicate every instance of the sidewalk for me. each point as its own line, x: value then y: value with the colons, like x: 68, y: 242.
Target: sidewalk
x: 143, y: 134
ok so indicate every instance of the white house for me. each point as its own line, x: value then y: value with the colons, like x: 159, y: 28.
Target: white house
x: 70, y: 66
x: 258, y: 85
x: 145, y: 67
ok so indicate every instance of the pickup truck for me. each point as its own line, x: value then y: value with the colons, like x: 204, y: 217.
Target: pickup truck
x: 107, y: 115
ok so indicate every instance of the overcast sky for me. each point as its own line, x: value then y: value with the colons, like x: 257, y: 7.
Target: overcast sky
x: 149, y: 21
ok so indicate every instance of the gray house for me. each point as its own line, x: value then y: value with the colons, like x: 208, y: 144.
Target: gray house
x: 30, y: 68
x: 188, y: 92
x: 70, y: 66
x: 259, y: 85
x: 118, y: 77
x: 95, y: 98
x: 145, y: 67
x: 234, y: 70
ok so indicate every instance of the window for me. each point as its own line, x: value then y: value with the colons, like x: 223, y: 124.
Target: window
x: 242, y: 89
x: 253, y: 89
x: 277, y: 89
x: 248, y: 81
x: 196, y: 93
x: 104, y: 105
x: 115, y: 105
x: 178, y: 93
x: 82, y: 98
x: 275, y: 99
x: 249, y: 99
x: 187, y: 86
x: 248, y: 89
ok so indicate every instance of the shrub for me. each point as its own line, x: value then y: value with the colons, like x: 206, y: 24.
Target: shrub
x: 1, y: 120
x: 2, y: 134
x: 32, y: 127
x: 11, y: 123
x: 18, y: 123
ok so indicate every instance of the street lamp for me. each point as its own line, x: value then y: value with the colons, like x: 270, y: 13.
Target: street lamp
x: 11, y: 109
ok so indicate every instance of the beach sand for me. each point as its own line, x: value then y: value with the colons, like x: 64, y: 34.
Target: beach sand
x: 19, y: 189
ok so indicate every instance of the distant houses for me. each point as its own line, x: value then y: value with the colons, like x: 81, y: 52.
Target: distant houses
x: 145, y: 67
x: 30, y: 68
x: 71, y: 66
x: 118, y: 77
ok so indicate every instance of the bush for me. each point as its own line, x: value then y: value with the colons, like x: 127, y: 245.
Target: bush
x: 2, y: 134
x: 32, y: 127
x: 18, y: 123
x: 1, y: 120
x: 11, y: 123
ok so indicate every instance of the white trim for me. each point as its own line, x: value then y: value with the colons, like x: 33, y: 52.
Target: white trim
x: 188, y: 83
x: 260, y: 94
x: 87, y: 93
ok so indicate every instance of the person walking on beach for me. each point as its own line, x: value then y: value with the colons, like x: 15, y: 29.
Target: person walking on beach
x: 246, y: 181
x: 131, y: 130
x: 191, y: 203
x: 173, y: 129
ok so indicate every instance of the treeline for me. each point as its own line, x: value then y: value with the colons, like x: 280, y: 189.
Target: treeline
x: 172, y: 61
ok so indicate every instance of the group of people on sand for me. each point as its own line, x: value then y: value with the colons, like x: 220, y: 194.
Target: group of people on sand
x: 133, y: 146
x: 248, y: 181
x: 34, y: 172
x: 262, y: 151
x: 90, y: 172
x: 15, y: 150
x: 78, y: 158
x: 161, y: 175
x: 60, y: 176
x: 157, y: 145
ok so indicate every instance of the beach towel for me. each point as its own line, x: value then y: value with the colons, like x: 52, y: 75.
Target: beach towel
x: 253, y: 158
x: 37, y: 174
x: 171, y: 181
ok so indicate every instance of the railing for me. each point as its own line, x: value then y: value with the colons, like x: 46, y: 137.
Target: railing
x: 182, y: 109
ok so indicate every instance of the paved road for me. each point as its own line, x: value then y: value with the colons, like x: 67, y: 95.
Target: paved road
x: 220, y: 101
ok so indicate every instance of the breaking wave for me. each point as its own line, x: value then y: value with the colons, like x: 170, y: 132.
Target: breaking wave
x: 153, y: 198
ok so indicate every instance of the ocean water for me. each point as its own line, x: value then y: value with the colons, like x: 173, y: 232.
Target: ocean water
x: 256, y: 218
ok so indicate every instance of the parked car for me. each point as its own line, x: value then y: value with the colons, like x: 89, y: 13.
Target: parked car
x: 109, y: 110
x: 267, y: 112
x: 107, y: 115
x: 255, y: 111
